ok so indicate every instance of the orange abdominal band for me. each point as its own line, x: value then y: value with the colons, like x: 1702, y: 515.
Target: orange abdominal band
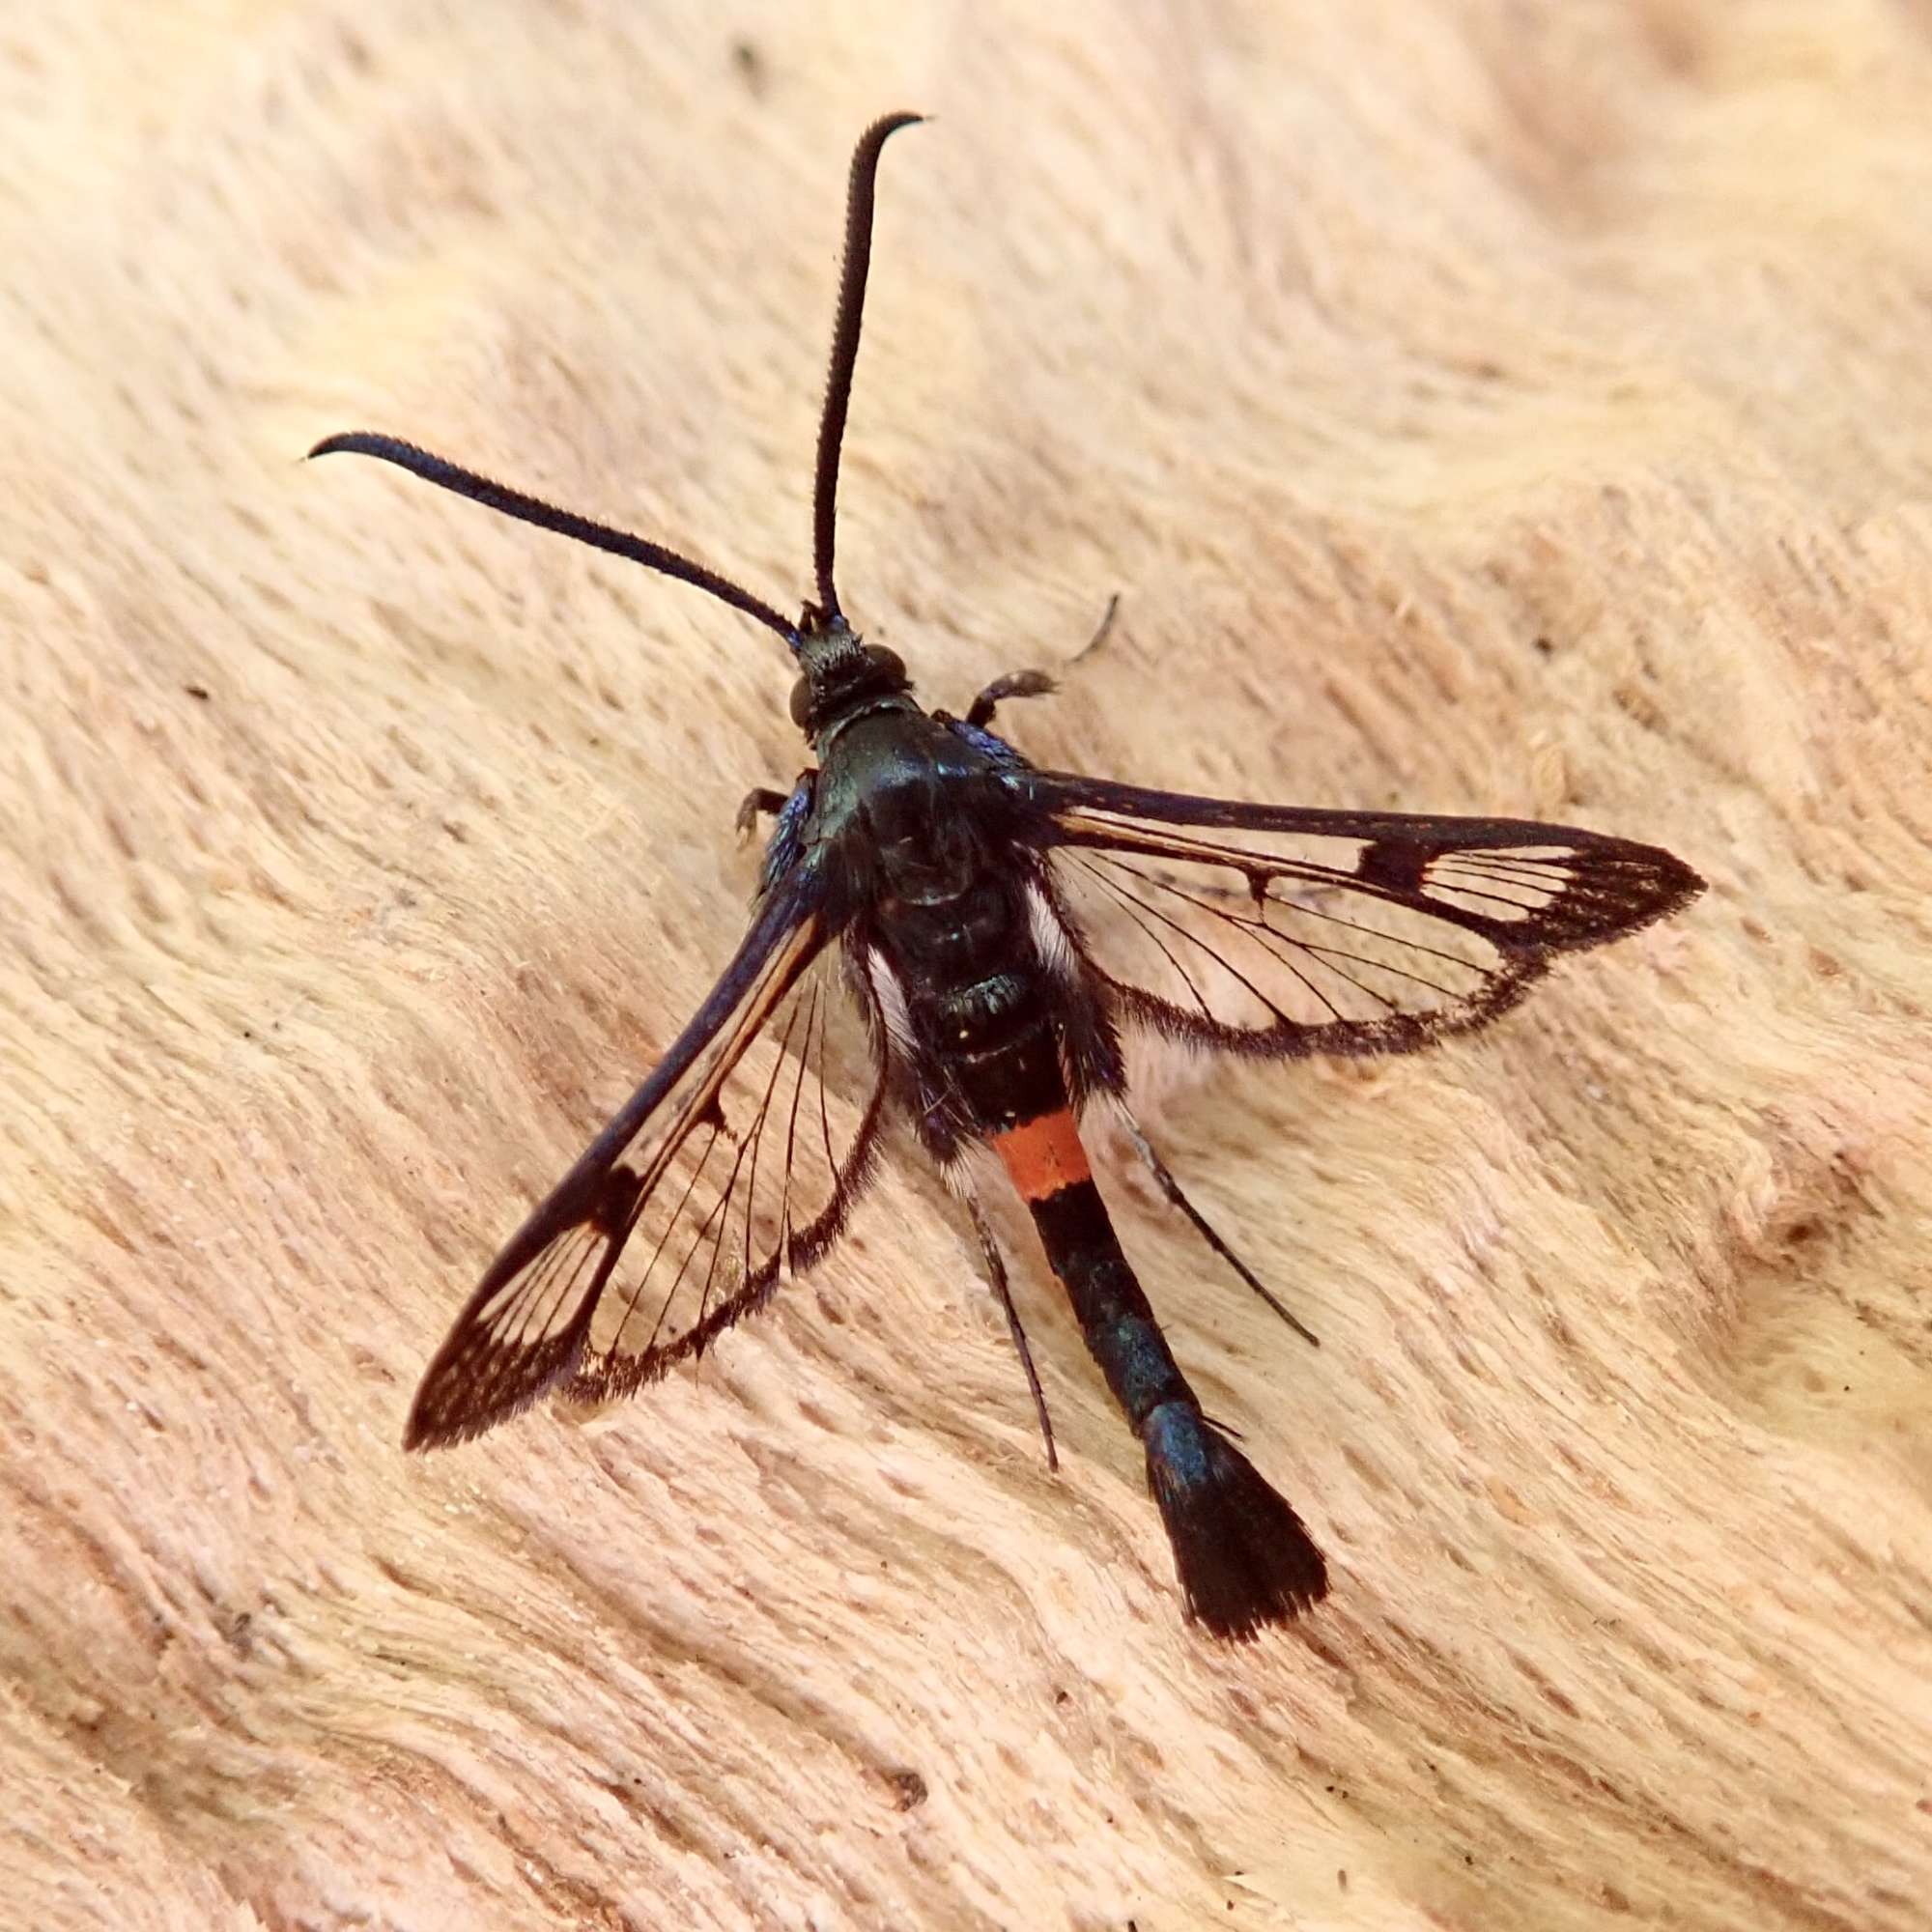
x: 1043, y: 1154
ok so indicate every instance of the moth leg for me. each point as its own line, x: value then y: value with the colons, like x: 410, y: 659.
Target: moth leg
x: 1015, y: 684
x: 1099, y: 636
x: 1034, y: 683
x: 759, y: 799
x: 1171, y: 1188
x: 996, y: 1274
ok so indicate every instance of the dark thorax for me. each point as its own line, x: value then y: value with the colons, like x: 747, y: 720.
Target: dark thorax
x: 922, y: 834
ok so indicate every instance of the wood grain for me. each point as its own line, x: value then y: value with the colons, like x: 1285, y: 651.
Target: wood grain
x: 1478, y: 407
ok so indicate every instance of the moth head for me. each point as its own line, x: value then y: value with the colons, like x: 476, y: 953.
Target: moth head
x: 840, y: 675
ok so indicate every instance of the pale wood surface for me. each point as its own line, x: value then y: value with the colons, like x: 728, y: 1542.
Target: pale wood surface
x: 1480, y: 408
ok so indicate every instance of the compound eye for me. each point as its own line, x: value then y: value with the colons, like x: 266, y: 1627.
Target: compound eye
x: 801, y: 703
x: 888, y: 660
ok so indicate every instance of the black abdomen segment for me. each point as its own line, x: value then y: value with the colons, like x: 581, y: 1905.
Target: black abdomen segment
x: 1113, y: 1313
x: 1244, y: 1558
x: 977, y: 1001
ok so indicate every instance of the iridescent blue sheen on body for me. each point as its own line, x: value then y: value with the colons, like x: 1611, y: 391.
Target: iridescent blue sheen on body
x: 781, y: 849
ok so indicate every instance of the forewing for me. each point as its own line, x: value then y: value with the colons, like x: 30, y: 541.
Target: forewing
x: 1280, y: 930
x: 734, y: 1166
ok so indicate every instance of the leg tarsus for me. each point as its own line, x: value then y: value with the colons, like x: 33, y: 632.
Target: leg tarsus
x: 1171, y: 1188
x: 759, y: 799
x: 996, y: 1274
x: 1099, y: 636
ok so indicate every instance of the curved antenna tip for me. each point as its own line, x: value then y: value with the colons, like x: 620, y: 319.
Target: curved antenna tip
x: 854, y: 266
x: 365, y: 443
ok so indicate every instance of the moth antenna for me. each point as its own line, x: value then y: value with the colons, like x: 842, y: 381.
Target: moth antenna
x: 510, y: 502
x: 853, y: 268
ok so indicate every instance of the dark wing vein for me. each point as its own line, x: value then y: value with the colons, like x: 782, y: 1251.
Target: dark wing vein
x: 1140, y: 915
